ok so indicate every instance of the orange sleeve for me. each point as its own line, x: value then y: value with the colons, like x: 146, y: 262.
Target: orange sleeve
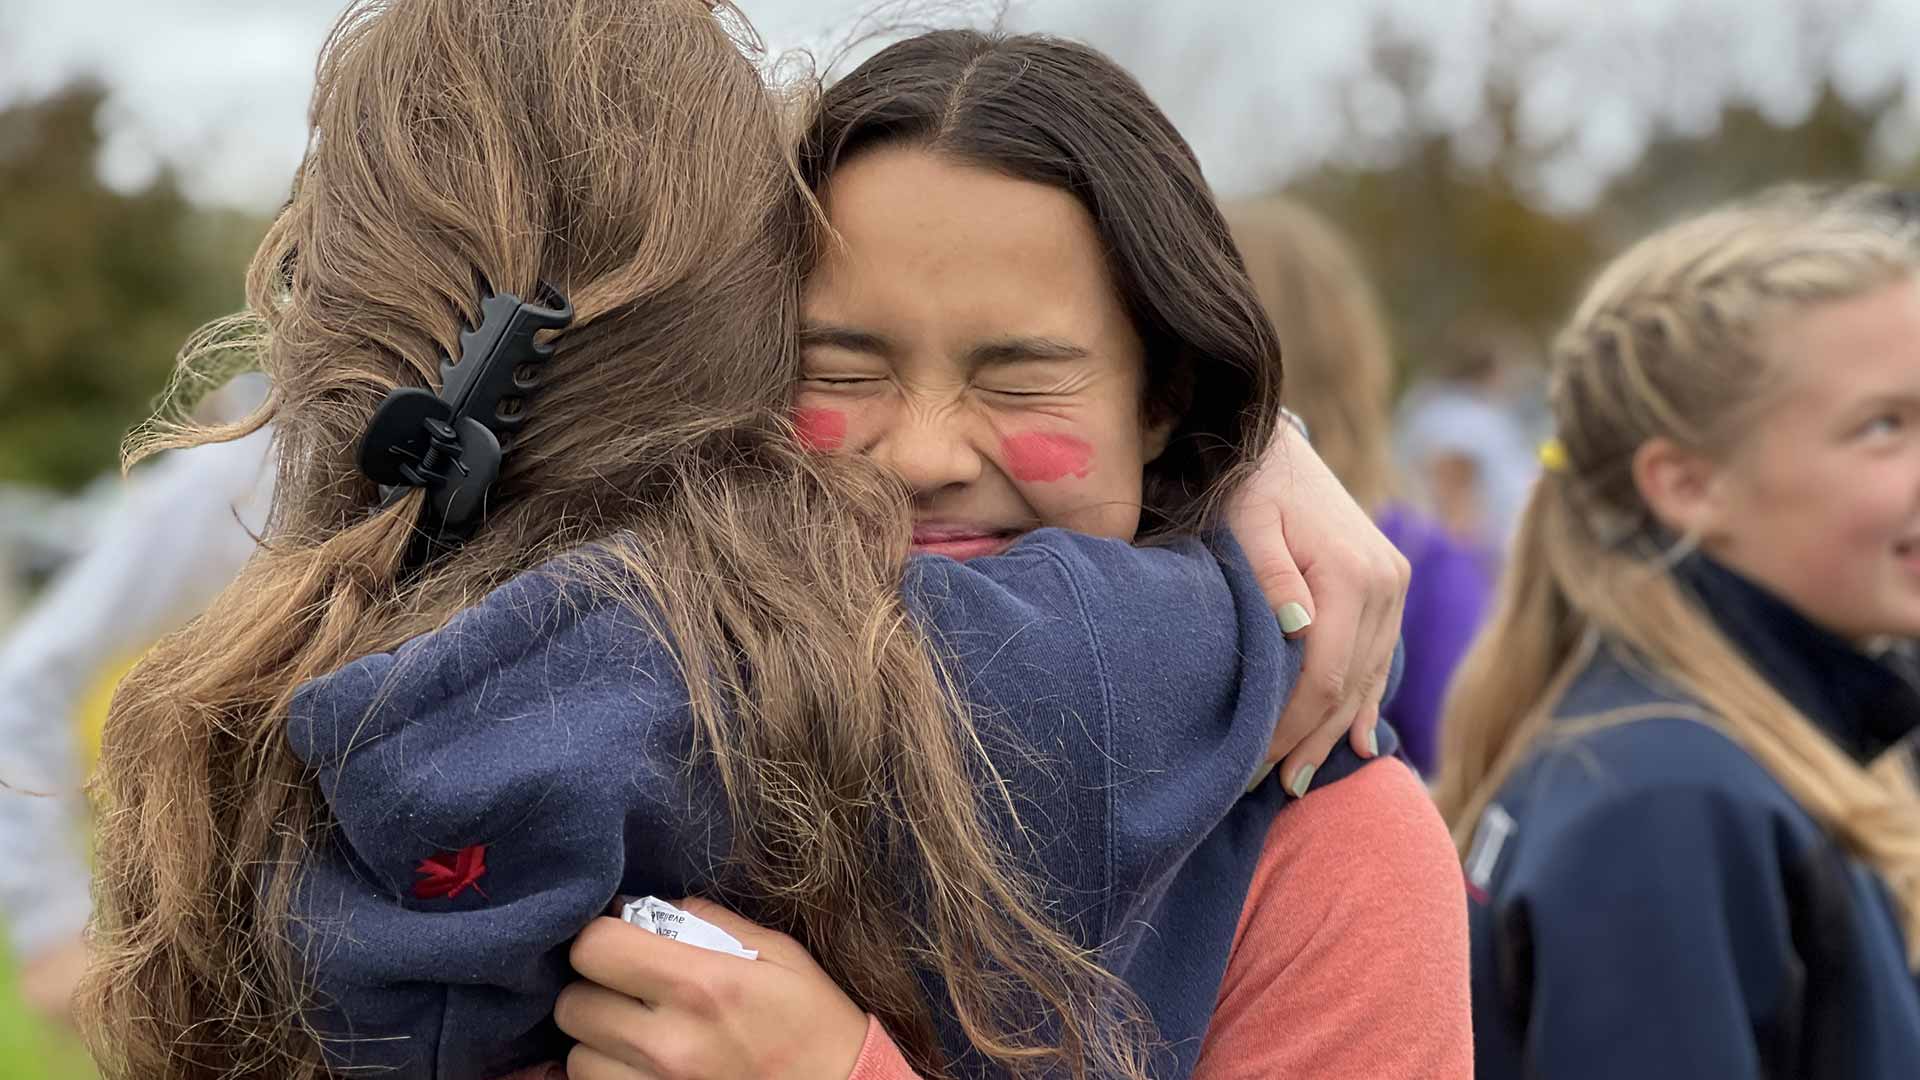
x: 879, y: 1058
x: 1351, y: 956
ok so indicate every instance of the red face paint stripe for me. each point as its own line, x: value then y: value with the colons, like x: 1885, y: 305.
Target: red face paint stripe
x: 1037, y: 457
x: 820, y: 430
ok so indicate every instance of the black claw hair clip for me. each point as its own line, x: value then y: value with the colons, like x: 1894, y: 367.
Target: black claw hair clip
x: 450, y: 443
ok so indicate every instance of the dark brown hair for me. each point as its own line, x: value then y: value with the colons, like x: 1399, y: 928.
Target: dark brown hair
x: 1058, y: 113
x: 629, y: 153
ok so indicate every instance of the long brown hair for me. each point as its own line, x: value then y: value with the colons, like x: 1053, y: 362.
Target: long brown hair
x: 1339, y: 355
x: 1669, y: 342
x: 1058, y: 113
x: 628, y: 152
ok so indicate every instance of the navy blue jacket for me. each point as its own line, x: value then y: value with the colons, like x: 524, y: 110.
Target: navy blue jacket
x: 496, y: 782
x: 1649, y: 902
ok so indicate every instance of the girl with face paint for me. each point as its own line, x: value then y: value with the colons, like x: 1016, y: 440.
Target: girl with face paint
x: 1031, y: 311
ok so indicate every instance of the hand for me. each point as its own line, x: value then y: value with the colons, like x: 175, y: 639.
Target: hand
x: 1322, y: 563
x: 654, y: 1008
x: 49, y: 978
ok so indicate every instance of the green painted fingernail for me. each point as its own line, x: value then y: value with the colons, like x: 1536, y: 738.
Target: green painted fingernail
x: 1294, y: 618
x: 1301, y: 778
x: 1259, y: 777
x: 1373, y: 742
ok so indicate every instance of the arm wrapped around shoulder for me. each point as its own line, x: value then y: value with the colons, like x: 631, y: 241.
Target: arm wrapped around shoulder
x: 1139, y: 686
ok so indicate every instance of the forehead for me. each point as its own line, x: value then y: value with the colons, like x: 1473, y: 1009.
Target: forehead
x: 1860, y: 347
x: 923, y: 235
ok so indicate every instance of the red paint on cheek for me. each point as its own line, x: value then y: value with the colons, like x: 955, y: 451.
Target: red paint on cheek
x: 1041, y: 458
x: 820, y: 430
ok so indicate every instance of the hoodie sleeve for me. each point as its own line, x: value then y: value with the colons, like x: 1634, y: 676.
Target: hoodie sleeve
x: 491, y: 785
x: 1649, y: 937
x: 1148, y: 681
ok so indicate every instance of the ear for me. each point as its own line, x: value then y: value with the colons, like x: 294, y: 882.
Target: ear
x: 1680, y: 486
x: 1153, y: 441
x: 1162, y: 410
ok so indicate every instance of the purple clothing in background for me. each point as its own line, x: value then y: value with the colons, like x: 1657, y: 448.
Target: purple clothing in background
x: 1452, y: 583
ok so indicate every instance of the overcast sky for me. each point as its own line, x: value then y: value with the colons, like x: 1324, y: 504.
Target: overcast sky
x: 1263, y: 88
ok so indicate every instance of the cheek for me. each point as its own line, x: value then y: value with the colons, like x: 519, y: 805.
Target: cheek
x: 1038, y: 458
x: 1816, y: 531
x: 820, y: 430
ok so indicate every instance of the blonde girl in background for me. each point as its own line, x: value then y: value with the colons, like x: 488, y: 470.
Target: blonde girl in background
x: 1339, y: 363
x: 1657, y: 762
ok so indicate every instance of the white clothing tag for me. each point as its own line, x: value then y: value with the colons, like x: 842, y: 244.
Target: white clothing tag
x: 1496, y: 827
x: 656, y: 916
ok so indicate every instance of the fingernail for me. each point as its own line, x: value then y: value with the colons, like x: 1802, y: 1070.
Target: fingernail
x: 1294, y: 618
x: 1373, y: 742
x: 1260, y: 776
x: 1301, y: 778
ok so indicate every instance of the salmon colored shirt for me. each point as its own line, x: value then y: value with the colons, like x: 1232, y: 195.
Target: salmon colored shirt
x: 1351, y: 956
x: 1350, y: 961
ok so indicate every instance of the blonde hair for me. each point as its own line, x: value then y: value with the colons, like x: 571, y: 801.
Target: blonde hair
x: 626, y: 151
x: 1670, y: 342
x: 1332, y: 335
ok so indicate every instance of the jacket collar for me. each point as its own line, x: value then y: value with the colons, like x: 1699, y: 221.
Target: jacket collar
x: 1862, y: 703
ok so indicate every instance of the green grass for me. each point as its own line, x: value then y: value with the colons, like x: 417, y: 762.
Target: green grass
x: 29, y: 1048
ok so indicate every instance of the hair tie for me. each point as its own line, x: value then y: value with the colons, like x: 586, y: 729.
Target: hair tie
x: 449, y: 443
x: 1553, y: 456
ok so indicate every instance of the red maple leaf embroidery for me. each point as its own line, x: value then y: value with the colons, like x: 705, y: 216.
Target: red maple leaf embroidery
x: 449, y: 873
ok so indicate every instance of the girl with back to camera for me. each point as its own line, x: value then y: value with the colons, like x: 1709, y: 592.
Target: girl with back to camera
x: 351, y: 818
x: 1657, y: 760
x: 1032, y: 311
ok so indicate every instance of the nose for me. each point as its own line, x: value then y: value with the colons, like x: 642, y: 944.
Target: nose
x: 929, y: 448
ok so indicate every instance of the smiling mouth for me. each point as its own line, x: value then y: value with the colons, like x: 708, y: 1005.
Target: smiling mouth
x: 961, y: 542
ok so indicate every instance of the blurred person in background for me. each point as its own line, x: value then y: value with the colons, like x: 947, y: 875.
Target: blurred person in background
x: 1661, y: 763
x: 1339, y: 368
x: 184, y: 527
x: 1463, y: 446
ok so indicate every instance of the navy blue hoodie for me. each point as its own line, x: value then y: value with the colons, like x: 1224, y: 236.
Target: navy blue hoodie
x: 496, y: 782
x: 1649, y: 902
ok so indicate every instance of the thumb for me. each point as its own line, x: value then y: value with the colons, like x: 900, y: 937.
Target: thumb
x: 1260, y: 527
x: 1285, y: 588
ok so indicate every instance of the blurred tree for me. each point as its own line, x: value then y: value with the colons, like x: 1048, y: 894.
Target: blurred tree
x: 98, y: 289
x: 1449, y: 243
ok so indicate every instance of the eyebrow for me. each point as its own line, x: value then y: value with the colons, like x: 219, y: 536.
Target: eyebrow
x: 844, y: 337
x: 1004, y: 350
x: 1010, y: 350
x: 1901, y: 399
